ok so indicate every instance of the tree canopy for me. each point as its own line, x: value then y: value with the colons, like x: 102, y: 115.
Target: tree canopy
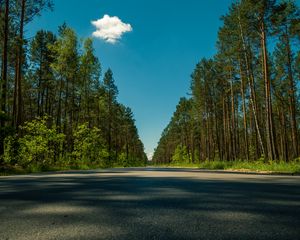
x: 244, y: 102
x: 56, y: 109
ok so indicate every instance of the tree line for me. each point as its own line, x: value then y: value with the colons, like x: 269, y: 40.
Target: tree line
x: 56, y: 109
x: 244, y: 102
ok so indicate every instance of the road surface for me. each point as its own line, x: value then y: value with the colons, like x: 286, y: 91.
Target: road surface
x: 149, y: 203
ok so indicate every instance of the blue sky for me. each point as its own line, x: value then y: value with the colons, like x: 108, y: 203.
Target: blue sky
x: 152, y: 64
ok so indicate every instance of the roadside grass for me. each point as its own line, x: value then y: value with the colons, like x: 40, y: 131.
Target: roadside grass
x: 17, y: 170
x: 244, y: 166
x: 6, y: 170
x: 292, y: 167
x: 179, y: 165
x: 256, y: 166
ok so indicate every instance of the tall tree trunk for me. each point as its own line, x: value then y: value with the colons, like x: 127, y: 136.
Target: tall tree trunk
x: 66, y: 106
x: 199, y: 143
x: 218, y: 138
x: 253, y: 136
x: 193, y: 147
x: 225, y: 142
x: 116, y: 146
x: 18, y: 118
x: 4, y: 73
x: 292, y: 99
x: 127, y: 146
x: 47, y: 105
x: 250, y: 77
x: 272, y: 152
x: 109, y: 127
x: 71, y: 115
x: 245, y: 124
x: 59, y: 109
x: 207, y: 137
x: 283, y: 136
x: 233, y: 130
x: 39, y: 92
x: 229, y: 132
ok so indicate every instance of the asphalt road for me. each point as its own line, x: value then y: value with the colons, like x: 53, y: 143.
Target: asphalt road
x: 149, y: 203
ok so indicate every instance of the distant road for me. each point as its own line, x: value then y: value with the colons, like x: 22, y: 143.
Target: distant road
x: 149, y: 203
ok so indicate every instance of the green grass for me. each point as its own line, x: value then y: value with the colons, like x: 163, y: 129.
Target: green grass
x: 277, y: 167
x: 179, y: 165
x: 14, y: 170
x: 6, y: 170
x: 252, y: 166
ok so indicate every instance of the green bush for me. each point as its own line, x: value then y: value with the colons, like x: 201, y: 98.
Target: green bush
x: 259, y: 165
x: 122, y: 160
x: 38, y: 146
x: 89, y: 147
x: 180, y: 155
x: 11, y: 150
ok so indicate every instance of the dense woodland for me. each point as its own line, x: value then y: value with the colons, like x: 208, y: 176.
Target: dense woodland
x: 56, y: 108
x: 244, y: 102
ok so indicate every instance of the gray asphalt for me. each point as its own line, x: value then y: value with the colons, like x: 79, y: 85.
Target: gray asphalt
x: 149, y: 203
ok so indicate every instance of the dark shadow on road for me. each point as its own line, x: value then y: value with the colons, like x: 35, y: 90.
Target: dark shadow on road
x: 138, y: 207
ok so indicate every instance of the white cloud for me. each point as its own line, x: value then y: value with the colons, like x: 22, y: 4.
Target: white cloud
x: 110, y: 29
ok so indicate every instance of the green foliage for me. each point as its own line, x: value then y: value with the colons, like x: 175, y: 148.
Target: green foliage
x: 244, y: 101
x: 89, y: 147
x: 11, y: 150
x: 38, y: 146
x: 181, y: 155
x: 244, y: 166
x: 122, y: 160
x: 5, y: 132
x: 274, y: 166
x: 175, y: 137
x: 61, y: 78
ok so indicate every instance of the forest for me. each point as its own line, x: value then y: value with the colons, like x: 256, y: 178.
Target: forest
x: 244, y: 101
x: 57, y: 108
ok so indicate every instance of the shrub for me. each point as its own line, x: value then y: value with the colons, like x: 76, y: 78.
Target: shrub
x: 39, y: 145
x: 11, y: 150
x: 180, y: 155
x: 89, y: 147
